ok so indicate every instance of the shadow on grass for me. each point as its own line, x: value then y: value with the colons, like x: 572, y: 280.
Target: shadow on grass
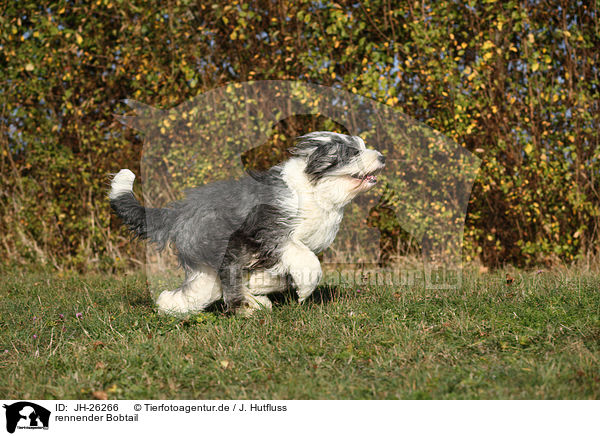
x: 139, y: 298
x: 324, y: 294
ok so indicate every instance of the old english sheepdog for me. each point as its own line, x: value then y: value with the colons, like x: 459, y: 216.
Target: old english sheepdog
x: 240, y: 240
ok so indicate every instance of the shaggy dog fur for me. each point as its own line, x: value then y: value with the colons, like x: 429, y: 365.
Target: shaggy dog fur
x: 242, y: 239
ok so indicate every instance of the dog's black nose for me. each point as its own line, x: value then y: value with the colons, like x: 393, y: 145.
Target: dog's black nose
x: 381, y: 158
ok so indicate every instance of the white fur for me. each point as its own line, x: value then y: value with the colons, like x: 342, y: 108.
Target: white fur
x: 365, y: 163
x: 304, y: 267
x: 361, y: 143
x: 264, y: 282
x: 318, y: 212
x: 199, y: 291
x: 255, y: 289
x: 121, y: 183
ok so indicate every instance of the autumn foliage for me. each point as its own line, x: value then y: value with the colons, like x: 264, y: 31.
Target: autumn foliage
x: 516, y: 83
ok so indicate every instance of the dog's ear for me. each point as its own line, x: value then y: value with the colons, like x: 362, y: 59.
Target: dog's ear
x: 303, y: 148
x: 321, y: 161
x: 307, y: 144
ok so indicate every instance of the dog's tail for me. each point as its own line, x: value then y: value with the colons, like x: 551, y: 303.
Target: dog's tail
x: 145, y: 223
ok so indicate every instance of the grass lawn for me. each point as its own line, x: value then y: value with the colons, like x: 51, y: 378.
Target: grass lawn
x: 80, y: 337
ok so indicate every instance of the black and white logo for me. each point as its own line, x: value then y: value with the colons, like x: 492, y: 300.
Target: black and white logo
x: 26, y: 415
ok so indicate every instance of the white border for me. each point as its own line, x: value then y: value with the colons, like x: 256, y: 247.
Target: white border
x: 363, y: 418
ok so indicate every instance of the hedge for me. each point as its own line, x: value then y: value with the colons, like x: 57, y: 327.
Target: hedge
x: 515, y: 83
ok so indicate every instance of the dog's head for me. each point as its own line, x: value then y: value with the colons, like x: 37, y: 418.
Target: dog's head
x: 339, y: 163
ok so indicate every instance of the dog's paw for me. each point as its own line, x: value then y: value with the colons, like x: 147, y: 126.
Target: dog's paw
x: 172, y: 303
x: 253, y: 303
x: 303, y: 294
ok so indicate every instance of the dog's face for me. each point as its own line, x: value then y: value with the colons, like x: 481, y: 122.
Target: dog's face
x: 339, y: 163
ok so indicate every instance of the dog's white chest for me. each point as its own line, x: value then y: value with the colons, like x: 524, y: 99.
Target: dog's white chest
x: 317, y: 228
x: 316, y: 214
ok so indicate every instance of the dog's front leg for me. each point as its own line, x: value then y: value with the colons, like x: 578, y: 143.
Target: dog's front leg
x: 304, y: 267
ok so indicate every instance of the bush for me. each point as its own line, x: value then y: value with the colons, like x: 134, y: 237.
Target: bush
x: 516, y: 83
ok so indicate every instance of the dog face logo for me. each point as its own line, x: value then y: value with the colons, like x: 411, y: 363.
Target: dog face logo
x: 26, y: 415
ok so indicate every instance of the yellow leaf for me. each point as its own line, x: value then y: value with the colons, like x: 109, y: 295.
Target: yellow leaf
x: 78, y: 38
x: 535, y: 66
x: 487, y: 45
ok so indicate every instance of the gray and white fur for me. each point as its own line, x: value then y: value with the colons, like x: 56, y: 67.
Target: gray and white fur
x: 242, y: 239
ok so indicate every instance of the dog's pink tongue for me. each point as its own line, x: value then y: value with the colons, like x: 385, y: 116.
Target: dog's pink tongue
x: 371, y: 179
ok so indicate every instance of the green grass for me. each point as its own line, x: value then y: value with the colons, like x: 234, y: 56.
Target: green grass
x: 536, y: 338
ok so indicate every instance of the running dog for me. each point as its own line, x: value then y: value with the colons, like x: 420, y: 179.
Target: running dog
x: 240, y: 240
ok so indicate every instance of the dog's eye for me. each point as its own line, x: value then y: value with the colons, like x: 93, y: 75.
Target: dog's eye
x: 349, y: 152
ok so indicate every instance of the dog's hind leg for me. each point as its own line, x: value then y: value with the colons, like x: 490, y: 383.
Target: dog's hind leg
x: 255, y: 289
x: 253, y: 303
x: 246, y: 293
x: 200, y: 289
x: 264, y: 282
x: 233, y: 283
x: 236, y: 295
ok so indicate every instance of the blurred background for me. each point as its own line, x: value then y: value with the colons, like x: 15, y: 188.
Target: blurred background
x: 515, y: 83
